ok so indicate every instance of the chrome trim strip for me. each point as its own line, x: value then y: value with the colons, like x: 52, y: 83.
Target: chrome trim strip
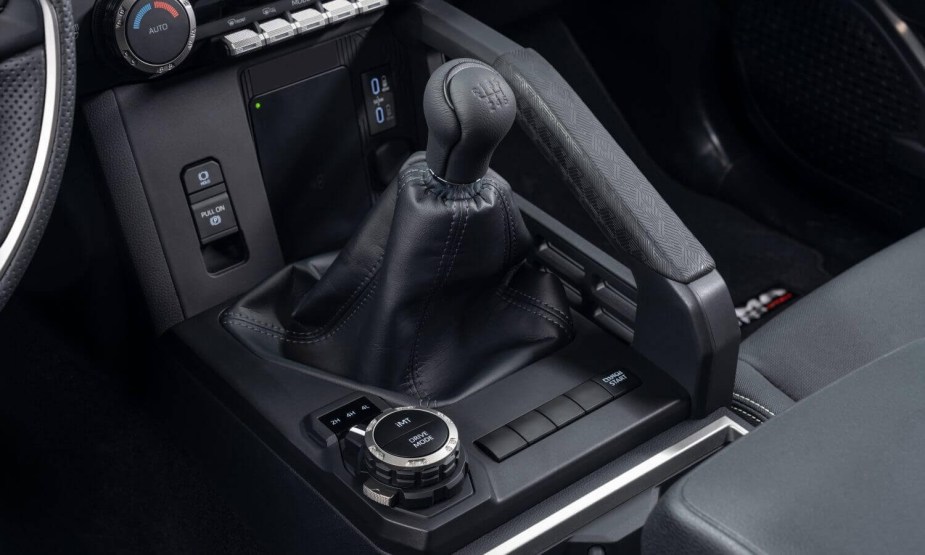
x: 604, y: 498
x: 43, y: 151
x: 905, y: 33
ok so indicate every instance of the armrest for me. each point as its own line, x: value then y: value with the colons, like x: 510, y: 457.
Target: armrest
x: 839, y: 472
x: 625, y: 206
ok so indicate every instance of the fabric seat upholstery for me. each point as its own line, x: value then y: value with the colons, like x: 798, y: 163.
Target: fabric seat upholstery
x: 872, y: 309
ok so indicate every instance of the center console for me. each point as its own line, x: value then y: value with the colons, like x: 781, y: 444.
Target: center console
x: 295, y: 253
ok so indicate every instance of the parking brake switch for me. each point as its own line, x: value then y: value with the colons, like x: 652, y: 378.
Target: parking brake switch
x: 214, y: 218
x: 209, y: 202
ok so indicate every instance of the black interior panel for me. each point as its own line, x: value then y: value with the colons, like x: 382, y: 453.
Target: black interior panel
x: 317, y: 191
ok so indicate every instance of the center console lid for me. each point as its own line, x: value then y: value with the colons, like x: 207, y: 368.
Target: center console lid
x: 841, y: 472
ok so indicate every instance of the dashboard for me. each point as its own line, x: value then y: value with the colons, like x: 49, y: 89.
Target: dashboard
x: 131, y: 40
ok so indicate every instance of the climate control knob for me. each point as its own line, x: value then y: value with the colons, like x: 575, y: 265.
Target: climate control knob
x: 152, y: 36
x: 413, y: 458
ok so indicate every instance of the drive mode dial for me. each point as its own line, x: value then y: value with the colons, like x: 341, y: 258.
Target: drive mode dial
x: 413, y: 458
x: 153, y: 36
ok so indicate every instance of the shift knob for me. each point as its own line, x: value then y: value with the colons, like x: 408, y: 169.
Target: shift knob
x: 469, y: 108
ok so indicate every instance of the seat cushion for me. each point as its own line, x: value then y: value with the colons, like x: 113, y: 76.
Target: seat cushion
x: 870, y: 310
x: 840, y: 473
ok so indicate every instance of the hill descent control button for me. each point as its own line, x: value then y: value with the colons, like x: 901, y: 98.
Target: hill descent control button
x: 202, y: 176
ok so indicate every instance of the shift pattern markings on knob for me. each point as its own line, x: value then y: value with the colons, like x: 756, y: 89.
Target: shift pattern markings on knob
x: 491, y: 92
x: 469, y: 109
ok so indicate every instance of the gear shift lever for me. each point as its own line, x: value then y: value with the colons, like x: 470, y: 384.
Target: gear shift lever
x: 469, y: 109
x: 431, y: 297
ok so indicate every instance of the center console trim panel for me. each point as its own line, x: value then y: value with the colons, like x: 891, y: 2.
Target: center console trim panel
x: 649, y: 473
x: 685, y: 322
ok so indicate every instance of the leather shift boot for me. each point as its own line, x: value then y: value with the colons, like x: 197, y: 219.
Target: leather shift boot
x: 431, y: 297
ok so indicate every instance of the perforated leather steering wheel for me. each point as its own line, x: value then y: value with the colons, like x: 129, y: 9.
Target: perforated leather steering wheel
x: 37, y: 85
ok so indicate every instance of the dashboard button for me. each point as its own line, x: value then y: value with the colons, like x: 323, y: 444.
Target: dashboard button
x: 340, y: 10
x: 561, y: 411
x: 617, y: 382
x: 589, y: 395
x: 397, y: 424
x: 243, y: 41
x: 202, y: 175
x: 306, y: 21
x: 419, y: 442
x: 371, y: 5
x: 360, y: 411
x: 276, y: 30
x: 214, y: 218
x: 502, y: 443
x: 533, y: 426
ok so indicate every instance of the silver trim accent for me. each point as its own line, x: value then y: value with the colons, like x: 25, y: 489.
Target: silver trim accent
x: 604, y: 498
x: 444, y: 451
x: 308, y: 20
x: 44, y: 148
x: 276, y: 30
x: 905, y: 33
x: 367, y: 6
x: 243, y: 41
x: 379, y: 493
x: 340, y: 10
x: 119, y: 24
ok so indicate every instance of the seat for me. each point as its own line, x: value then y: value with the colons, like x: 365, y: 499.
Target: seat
x: 865, y: 313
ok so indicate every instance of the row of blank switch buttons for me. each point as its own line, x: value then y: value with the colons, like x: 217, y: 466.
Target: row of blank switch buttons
x: 556, y: 414
x: 303, y: 21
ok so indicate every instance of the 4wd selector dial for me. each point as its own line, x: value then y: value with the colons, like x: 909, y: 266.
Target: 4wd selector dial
x: 153, y: 36
x: 413, y: 458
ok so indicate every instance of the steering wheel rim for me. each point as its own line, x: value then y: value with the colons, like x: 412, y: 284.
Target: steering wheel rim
x: 37, y: 89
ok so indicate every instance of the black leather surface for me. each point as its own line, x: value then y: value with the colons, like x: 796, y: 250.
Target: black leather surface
x: 22, y: 90
x: 469, y: 109
x: 430, y: 298
x: 866, y: 312
x: 19, y: 131
x: 838, y: 473
x: 628, y: 210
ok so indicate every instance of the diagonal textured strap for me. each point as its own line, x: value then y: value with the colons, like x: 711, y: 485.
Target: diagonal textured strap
x: 623, y: 203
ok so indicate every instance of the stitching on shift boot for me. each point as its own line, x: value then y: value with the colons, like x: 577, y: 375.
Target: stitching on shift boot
x: 410, y: 377
x: 508, y: 222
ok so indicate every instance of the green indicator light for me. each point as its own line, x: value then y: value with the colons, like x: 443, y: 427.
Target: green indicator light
x: 257, y: 105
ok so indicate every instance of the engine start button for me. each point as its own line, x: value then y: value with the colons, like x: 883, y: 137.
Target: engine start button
x: 411, y: 433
